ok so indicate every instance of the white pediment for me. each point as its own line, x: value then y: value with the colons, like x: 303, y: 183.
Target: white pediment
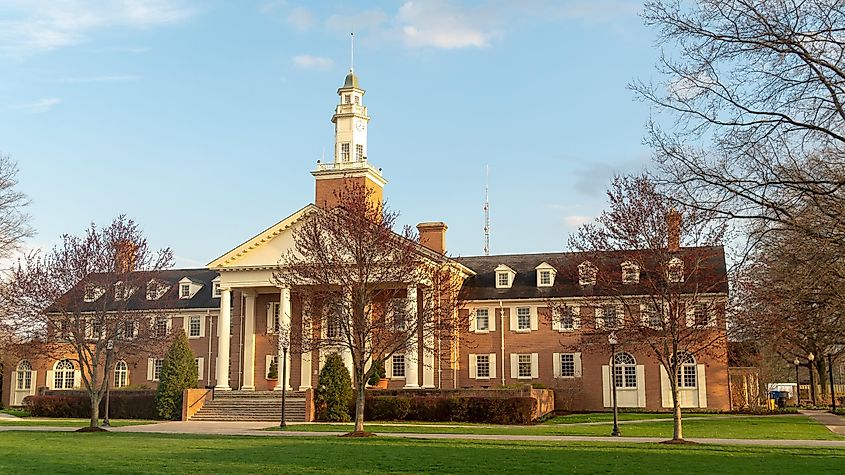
x: 266, y: 248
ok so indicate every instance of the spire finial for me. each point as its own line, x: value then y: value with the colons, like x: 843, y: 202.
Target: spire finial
x: 352, y: 52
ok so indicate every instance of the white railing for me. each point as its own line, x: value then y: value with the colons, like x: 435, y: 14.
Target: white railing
x: 351, y: 165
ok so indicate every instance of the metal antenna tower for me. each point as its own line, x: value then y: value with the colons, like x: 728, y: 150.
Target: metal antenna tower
x: 487, y: 211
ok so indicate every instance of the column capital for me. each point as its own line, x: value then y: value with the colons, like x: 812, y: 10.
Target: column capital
x: 249, y: 292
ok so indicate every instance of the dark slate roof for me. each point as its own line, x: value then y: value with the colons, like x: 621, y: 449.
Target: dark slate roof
x: 139, y: 279
x: 711, y: 278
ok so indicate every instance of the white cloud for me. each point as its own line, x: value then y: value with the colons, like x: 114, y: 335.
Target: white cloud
x: 301, y: 18
x: 442, y: 25
x: 315, y: 63
x: 107, y: 78
x: 39, y: 106
x: 576, y: 220
x: 33, y: 26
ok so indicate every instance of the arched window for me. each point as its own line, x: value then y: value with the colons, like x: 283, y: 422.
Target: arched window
x: 24, y: 376
x: 63, y: 375
x: 121, y: 374
x: 625, y: 375
x: 686, y: 371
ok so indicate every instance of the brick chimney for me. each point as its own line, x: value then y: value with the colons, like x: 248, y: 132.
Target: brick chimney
x: 673, y: 227
x: 433, y: 236
x: 124, y: 256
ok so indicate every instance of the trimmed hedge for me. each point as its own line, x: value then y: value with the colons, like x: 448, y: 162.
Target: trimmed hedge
x: 512, y: 410
x: 122, y: 405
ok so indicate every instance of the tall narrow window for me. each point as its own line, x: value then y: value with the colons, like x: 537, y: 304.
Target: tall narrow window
x: 567, y: 318
x: 357, y: 99
x: 184, y: 291
x: 344, y: 152
x: 545, y: 277
x: 482, y: 319
x: 523, y: 318
x: 157, y: 365
x: 686, y: 371
x: 121, y: 374
x: 398, y: 368
x: 24, y: 377
x: 359, y: 152
x: 346, y: 98
x: 63, y: 375
x: 625, y: 375
x: 195, y: 326
x: 611, y: 316
x: 160, y: 329
x: 524, y: 366
x: 482, y: 366
x: 567, y: 365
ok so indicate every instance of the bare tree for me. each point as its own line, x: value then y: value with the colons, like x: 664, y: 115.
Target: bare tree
x: 82, y: 301
x: 754, y: 93
x: 14, y: 222
x: 647, y: 289
x: 370, y: 292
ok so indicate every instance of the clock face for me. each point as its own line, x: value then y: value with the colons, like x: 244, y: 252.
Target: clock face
x: 360, y: 125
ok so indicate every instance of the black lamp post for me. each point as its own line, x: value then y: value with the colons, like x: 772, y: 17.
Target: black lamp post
x: 811, y: 357
x: 282, y: 424
x: 797, y: 383
x: 832, y: 389
x: 109, y: 349
x: 613, y: 341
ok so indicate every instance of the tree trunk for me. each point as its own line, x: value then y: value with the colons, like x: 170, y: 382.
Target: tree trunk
x: 360, y: 398
x: 95, y: 411
x: 678, y: 431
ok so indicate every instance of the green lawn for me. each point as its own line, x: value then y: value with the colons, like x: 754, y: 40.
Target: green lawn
x: 735, y: 427
x: 31, y: 421
x: 28, y: 452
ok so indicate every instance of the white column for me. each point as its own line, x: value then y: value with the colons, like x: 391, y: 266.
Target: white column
x: 428, y: 346
x: 305, y: 356
x: 411, y: 360
x: 223, y: 327
x: 249, y: 341
x: 284, y: 329
x: 345, y: 352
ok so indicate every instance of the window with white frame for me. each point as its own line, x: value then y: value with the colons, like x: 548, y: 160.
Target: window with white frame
x: 347, y: 98
x: 686, y: 371
x: 567, y: 365
x: 356, y: 99
x: 398, y: 309
x: 215, y: 289
x: 92, y: 293
x: 155, y: 290
x: 482, y: 319
x: 503, y: 279
x: 653, y: 315
x: 199, y: 362
x: 344, y: 152
x: 675, y: 270
x: 160, y: 327
x: 359, y: 152
x: 24, y: 376
x: 333, y: 325
x: 195, y: 326
x: 630, y: 273
x: 273, y: 321
x: 545, y: 277
x: 567, y: 318
x: 625, y: 374
x: 121, y: 291
x: 63, y: 375
x: 126, y: 331
x: 184, y: 291
x: 157, y: 365
x: 96, y: 328
x: 482, y: 366
x: 398, y: 366
x: 524, y: 366
x: 587, y: 273
x: 701, y: 312
x: 121, y: 374
x: 611, y: 317
x: 523, y: 318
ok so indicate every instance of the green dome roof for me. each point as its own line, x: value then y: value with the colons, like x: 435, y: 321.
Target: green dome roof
x: 351, y: 81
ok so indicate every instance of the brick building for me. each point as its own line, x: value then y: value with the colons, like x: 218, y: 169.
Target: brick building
x: 515, y: 335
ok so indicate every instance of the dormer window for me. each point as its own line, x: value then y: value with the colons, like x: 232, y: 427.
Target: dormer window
x: 587, y: 273
x: 545, y: 275
x: 675, y: 270
x: 630, y: 273
x: 215, y: 287
x: 504, y: 277
x: 92, y: 293
x: 121, y: 291
x: 155, y: 290
x: 188, y: 288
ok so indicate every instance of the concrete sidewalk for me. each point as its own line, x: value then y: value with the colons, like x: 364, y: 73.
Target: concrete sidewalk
x: 254, y: 429
x: 834, y: 423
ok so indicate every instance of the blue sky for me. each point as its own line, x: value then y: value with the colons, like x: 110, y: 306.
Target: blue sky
x: 202, y: 119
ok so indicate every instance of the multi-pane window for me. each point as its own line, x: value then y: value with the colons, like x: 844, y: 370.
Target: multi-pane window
x: 153, y: 290
x: 195, y: 326
x: 121, y: 292
x: 545, y: 277
x: 503, y: 279
x: 567, y: 365
x: 610, y: 313
x: 702, y: 314
x: 630, y: 273
x: 567, y: 318
x: 185, y: 291
x: 347, y: 98
x: 686, y: 371
x: 215, y: 289
x: 63, y: 375
x: 275, y: 322
x: 482, y: 366
x: 96, y: 328
x: 523, y: 318
x: 127, y: 330
x: 333, y: 329
x: 524, y: 366
x: 157, y: 365
x: 675, y: 270
x: 482, y: 319
x: 160, y: 329
x: 398, y: 309
x: 359, y: 152
x: 625, y: 374
x: 654, y: 315
x: 24, y: 378
x: 398, y: 368
x: 344, y: 152
x: 90, y: 293
x: 121, y: 374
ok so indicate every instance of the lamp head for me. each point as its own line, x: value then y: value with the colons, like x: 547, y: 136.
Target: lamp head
x: 612, y: 338
x: 797, y: 361
x: 811, y: 357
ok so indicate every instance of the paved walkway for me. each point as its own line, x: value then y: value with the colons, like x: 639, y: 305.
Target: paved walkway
x: 834, y: 423
x: 254, y: 429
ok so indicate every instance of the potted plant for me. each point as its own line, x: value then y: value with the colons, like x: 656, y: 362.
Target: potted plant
x: 377, y: 378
